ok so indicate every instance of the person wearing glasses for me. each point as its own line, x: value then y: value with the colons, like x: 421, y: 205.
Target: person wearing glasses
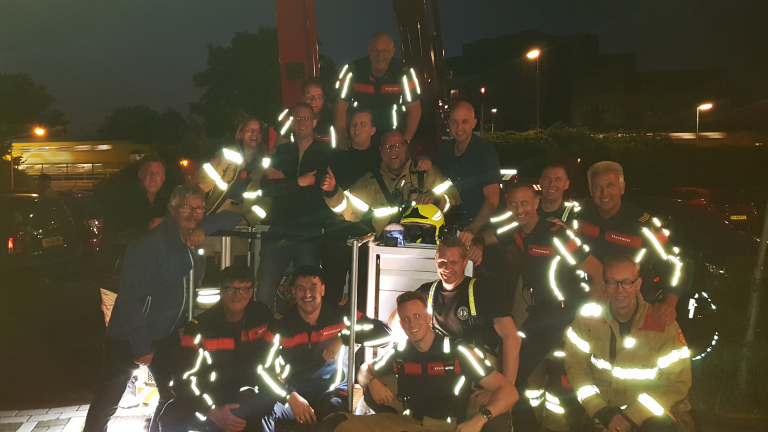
x: 225, y: 389
x: 298, y: 213
x: 312, y: 94
x: 631, y: 372
x: 153, y: 302
x: 552, y: 259
x: 380, y: 83
x: 609, y: 224
x: 232, y: 179
x: 385, y: 193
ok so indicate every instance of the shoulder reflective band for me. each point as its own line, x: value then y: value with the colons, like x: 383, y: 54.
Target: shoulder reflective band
x: 586, y: 391
x: 655, y: 242
x: 233, y: 156
x: 442, y: 187
x: 416, y: 81
x: 431, y: 296
x: 208, y: 168
x: 579, y: 342
x: 640, y: 255
x: 651, y: 404
x: 343, y: 70
x: 471, y: 360
x: 472, y: 309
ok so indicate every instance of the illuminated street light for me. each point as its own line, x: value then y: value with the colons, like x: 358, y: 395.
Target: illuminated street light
x: 482, y: 112
x: 39, y: 131
x: 702, y: 107
x: 493, y: 119
x: 534, y: 54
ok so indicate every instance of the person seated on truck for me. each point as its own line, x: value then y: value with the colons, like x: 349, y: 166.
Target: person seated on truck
x: 216, y: 383
x: 434, y: 376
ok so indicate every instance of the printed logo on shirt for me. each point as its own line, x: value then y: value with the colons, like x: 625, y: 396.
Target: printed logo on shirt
x: 463, y: 313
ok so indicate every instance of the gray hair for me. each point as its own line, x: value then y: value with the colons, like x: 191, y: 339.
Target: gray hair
x: 617, y: 259
x: 604, y: 167
x: 182, y: 192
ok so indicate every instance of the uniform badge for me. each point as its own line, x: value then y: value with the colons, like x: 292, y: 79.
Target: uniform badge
x: 463, y: 313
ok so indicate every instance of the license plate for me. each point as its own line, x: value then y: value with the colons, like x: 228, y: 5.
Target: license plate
x: 52, y: 241
x: 739, y: 217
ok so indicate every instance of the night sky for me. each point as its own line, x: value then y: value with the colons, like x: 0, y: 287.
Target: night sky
x: 95, y: 55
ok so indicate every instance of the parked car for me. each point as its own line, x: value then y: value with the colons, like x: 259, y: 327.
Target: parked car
x: 734, y: 206
x: 38, y: 233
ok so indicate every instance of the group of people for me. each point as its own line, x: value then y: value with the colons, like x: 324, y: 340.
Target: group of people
x: 568, y: 320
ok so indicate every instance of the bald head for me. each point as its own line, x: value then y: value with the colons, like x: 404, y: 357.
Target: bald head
x: 461, y: 122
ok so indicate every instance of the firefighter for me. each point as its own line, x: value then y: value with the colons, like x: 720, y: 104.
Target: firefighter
x: 554, y: 181
x: 610, y: 224
x: 384, y: 194
x: 231, y: 180
x: 551, y: 255
x: 379, y: 82
x: 312, y: 93
x: 221, y: 349
x: 631, y: 372
x: 307, y: 341
x: 434, y: 375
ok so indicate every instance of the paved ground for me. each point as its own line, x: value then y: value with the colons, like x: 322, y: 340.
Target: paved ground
x: 70, y: 419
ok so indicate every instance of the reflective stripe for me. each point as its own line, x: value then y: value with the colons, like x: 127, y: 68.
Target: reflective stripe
x: 585, y: 287
x: 676, y: 355
x: 208, y: 399
x: 678, y: 268
x: 656, y: 222
x: 265, y: 162
x: 472, y: 360
x: 276, y: 388
x: 259, y: 211
x: 552, y: 281
x: 586, y: 391
x: 341, y: 75
x: 447, y: 204
x: 416, y: 81
x: 286, y: 370
x: 282, y: 114
x: 629, y: 342
x: 506, y: 227
x: 213, y: 376
x: 554, y: 408
x: 357, y: 202
x: 472, y: 309
x: 249, y: 195
x: 601, y: 364
x: 341, y: 207
x: 634, y: 373
x: 378, y: 342
x: 197, y: 363
x: 534, y: 393
x: 394, y: 116
x: 655, y: 242
x: 442, y: 187
x: 200, y: 416
x: 339, y: 369
x: 591, y: 309
x: 286, y: 126
x: 564, y: 252
x: 551, y: 398
x: 275, y: 346
x: 559, y: 354
x: 502, y: 217
x: 446, y: 345
x: 639, y: 256
x: 211, y: 171
x: 651, y: 404
x: 233, y: 156
x: 384, y: 211
x: 457, y: 389
x: 346, y: 85
x: 407, y: 90
x: 431, y: 296
x: 333, y: 137
x: 579, y: 342
x: 521, y: 334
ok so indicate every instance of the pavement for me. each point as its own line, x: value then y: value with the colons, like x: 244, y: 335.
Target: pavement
x: 71, y: 419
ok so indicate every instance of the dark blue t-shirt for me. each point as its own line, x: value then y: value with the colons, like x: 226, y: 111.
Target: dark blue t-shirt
x: 476, y: 168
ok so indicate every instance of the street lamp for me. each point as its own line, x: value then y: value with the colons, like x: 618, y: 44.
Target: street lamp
x: 482, y: 112
x: 702, y: 107
x: 493, y: 119
x: 39, y: 131
x: 534, y: 54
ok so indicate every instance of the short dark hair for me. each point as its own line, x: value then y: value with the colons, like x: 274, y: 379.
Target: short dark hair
x: 454, y: 242
x: 308, y: 271
x: 619, y: 258
x: 311, y: 82
x: 358, y: 110
x: 236, y: 273
x: 519, y: 185
x: 411, y: 296
x: 556, y: 164
x: 150, y: 158
x: 302, y: 105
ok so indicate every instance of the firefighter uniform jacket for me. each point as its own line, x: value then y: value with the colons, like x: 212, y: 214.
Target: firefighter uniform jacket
x: 217, y: 360
x: 436, y: 383
x: 366, y: 194
x: 300, y: 359
x: 633, y: 232
x: 649, y: 370
x: 386, y: 96
x: 232, y: 183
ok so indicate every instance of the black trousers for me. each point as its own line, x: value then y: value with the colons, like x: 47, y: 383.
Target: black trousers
x: 179, y: 414
x: 662, y: 423
x: 118, y: 368
x: 337, y: 265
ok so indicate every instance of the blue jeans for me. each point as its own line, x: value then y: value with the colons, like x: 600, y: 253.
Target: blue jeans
x: 327, y: 403
x: 277, y: 255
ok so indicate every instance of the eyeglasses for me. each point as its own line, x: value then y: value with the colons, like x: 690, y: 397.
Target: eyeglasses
x: 313, y: 98
x: 242, y: 290
x: 390, y: 147
x: 380, y: 53
x: 614, y: 284
x: 188, y: 209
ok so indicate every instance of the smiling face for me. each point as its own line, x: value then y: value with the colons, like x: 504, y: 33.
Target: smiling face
x: 237, y: 301
x: 251, y: 134
x: 309, y: 292
x: 554, y: 181
x: 606, y: 189
x: 361, y: 130
x: 313, y: 95
x: 303, y: 123
x: 394, y: 151
x: 450, y: 265
x: 523, y: 202
x: 621, y: 298
x: 186, y: 216
x: 414, y: 320
x: 461, y: 122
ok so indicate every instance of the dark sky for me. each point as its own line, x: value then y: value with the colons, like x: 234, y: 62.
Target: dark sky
x: 95, y: 55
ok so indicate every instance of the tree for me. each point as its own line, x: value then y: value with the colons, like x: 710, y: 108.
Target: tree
x: 241, y: 80
x: 24, y: 105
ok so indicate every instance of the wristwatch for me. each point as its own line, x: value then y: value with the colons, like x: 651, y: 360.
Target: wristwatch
x: 486, y: 413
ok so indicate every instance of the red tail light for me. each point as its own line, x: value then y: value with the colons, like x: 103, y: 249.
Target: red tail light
x: 10, y: 244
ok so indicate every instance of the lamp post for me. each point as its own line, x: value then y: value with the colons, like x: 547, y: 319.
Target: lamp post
x: 493, y: 119
x: 38, y: 131
x: 534, y: 54
x: 482, y: 112
x: 699, y: 108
